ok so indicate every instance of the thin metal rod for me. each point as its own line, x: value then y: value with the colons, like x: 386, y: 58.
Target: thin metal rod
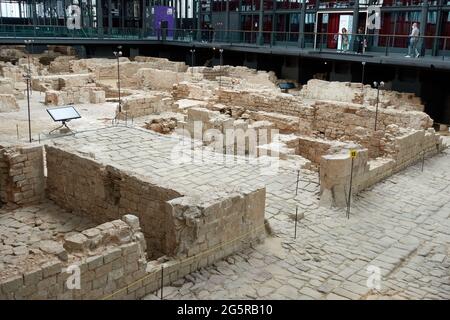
x: 221, y: 63
x: 376, y: 108
x: 162, y: 281
x: 363, y: 71
x: 29, y: 112
x: 118, y: 82
x: 296, y: 218
x: 298, y: 178
x: 350, y: 191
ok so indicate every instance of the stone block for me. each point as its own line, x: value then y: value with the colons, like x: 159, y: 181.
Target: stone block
x: 132, y: 221
x: 8, y: 103
x: 75, y: 242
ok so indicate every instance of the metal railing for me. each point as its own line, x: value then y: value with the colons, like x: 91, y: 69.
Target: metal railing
x: 381, y: 44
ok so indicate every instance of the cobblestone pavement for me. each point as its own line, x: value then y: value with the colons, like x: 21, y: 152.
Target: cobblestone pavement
x: 32, y: 235
x: 400, y: 226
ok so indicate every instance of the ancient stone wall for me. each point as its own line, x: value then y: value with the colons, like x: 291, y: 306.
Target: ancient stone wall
x: 314, y: 148
x: 269, y: 102
x: 109, y: 258
x: 162, y: 64
x: 229, y: 75
x: 155, y: 79
x: 4, y: 170
x: 139, y: 105
x: 406, y: 150
x: 88, y: 94
x: 91, y: 65
x: 22, y: 178
x: 172, y: 224
x: 8, y: 103
x: 336, y: 120
x: 61, y: 82
x: 196, y: 91
x: 105, y: 193
x: 359, y: 94
x: 13, y: 86
x: 284, y: 123
x: 61, y: 64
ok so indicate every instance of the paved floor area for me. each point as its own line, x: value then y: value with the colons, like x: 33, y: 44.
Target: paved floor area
x: 169, y: 162
x: 399, y: 230
x: 32, y: 235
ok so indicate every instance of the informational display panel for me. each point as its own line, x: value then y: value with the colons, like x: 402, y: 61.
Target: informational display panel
x: 63, y: 113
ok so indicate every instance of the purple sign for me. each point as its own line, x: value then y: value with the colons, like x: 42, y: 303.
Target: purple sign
x: 163, y: 15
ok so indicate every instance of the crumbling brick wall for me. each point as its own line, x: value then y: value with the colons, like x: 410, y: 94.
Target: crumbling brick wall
x: 22, y: 178
x: 89, y: 94
x: 3, y: 177
x: 144, y: 104
x: 405, y: 150
x: 359, y: 94
x: 105, y: 193
x: 162, y: 64
x: 155, y: 79
x: 109, y: 258
x: 337, y: 119
x: 173, y: 224
x: 8, y: 103
x: 334, y: 119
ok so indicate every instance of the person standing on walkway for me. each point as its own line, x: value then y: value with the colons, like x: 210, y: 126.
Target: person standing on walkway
x: 360, y: 41
x: 344, y: 39
x: 413, y: 40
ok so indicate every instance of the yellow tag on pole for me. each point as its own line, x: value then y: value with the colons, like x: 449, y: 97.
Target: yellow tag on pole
x: 353, y: 153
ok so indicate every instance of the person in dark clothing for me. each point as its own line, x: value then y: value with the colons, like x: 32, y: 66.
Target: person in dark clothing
x: 360, y: 41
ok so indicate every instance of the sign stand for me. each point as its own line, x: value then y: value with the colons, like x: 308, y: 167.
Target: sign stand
x: 63, y: 114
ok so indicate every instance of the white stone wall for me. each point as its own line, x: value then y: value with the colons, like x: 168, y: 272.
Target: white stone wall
x: 23, y: 180
x: 359, y: 94
x: 139, y: 105
x: 407, y: 149
x: 155, y: 79
x: 109, y: 257
x: 173, y: 224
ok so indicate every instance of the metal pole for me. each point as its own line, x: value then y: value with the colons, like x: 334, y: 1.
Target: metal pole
x: 221, y: 63
x: 376, y: 108
x: 295, y: 228
x: 443, y: 49
x: 162, y: 281
x: 192, y: 61
x: 28, y: 78
x: 363, y: 72
x: 298, y: 178
x: 29, y: 112
x: 118, y: 83
x: 350, y: 191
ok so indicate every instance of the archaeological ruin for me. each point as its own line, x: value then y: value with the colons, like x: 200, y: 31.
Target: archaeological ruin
x: 180, y: 170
